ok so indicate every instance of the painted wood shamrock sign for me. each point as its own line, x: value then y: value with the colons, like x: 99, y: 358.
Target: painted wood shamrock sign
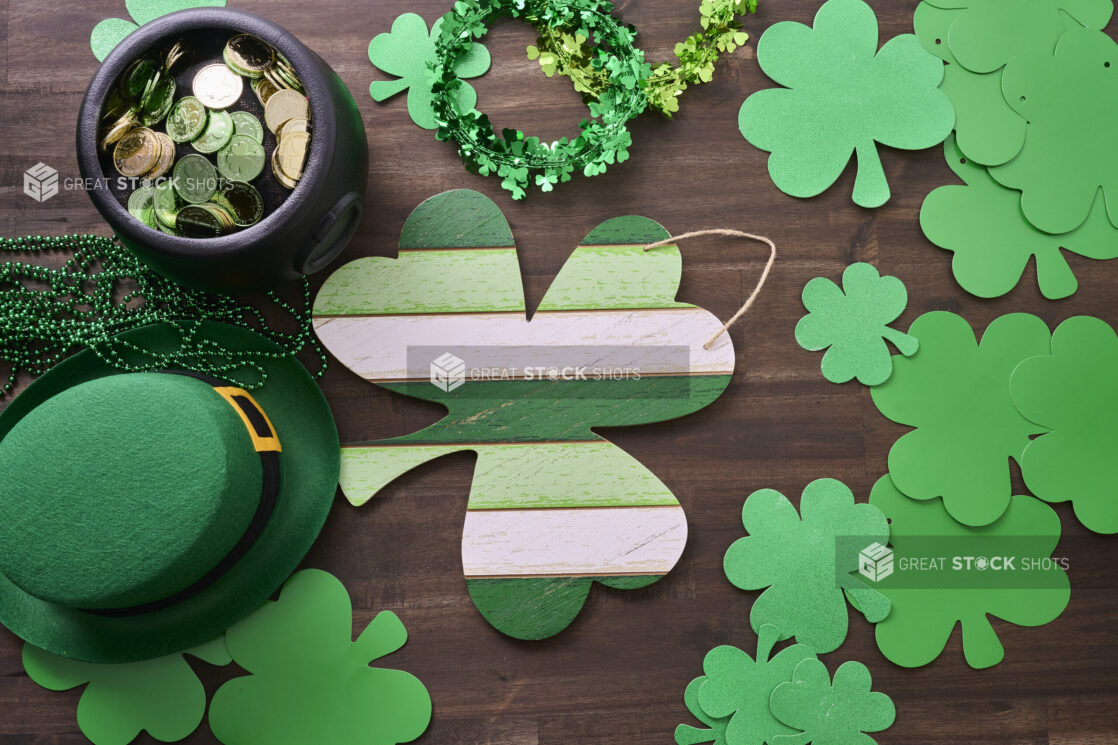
x: 553, y: 507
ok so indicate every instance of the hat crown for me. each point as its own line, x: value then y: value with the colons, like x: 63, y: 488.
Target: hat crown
x: 124, y: 490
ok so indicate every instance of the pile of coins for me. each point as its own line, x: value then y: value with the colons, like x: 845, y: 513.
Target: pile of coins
x: 204, y: 198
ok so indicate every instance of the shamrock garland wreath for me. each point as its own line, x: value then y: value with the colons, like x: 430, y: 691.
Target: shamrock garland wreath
x: 623, y: 84
x: 603, y: 140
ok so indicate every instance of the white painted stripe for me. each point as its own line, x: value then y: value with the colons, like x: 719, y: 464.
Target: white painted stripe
x: 608, y: 540
x: 376, y: 347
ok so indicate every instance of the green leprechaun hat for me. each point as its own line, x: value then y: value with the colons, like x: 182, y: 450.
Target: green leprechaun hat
x: 144, y: 513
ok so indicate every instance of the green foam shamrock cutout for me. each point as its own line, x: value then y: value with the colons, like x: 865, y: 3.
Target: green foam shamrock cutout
x: 982, y: 224
x: 1068, y: 153
x: 405, y: 52
x: 838, y: 713
x: 926, y: 612
x: 737, y: 686
x: 989, y: 33
x: 842, y: 96
x: 854, y: 323
x: 715, y: 730
x: 987, y: 130
x: 310, y: 682
x: 955, y: 392
x: 111, y: 31
x: 554, y: 507
x: 162, y: 696
x: 1074, y: 394
x: 799, y: 561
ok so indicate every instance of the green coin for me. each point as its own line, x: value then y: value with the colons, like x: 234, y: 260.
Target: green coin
x: 166, y: 204
x: 188, y: 120
x: 242, y: 159
x: 195, y: 221
x: 141, y: 204
x: 219, y: 130
x: 158, y: 102
x: 242, y: 201
x: 245, y: 123
x: 137, y: 77
x: 169, y: 231
x: 195, y: 180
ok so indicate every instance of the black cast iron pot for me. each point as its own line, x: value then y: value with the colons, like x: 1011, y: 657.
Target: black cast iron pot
x: 305, y: 229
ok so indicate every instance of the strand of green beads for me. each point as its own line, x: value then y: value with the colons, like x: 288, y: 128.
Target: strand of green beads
x: 47, y: 314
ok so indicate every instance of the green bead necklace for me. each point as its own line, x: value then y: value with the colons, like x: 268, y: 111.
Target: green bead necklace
x: 47, y: 314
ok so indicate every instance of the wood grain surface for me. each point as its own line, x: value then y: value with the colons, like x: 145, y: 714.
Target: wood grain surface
x: 617, y: 675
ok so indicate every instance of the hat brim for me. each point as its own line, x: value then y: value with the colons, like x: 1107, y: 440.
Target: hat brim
x: 310, y: 461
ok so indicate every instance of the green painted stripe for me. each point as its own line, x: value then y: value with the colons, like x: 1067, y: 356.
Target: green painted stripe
x: 436, y: 281
x: 558, y: 475
x: 616, y: 277
x: 456, y: 219
x: 539, y: 608
x: 365, y: 471
x: 626, y: 229
x: 556, y: 411
x: 518, y: 476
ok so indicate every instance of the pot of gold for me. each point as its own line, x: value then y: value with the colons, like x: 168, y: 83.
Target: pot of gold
x: 223, y: 151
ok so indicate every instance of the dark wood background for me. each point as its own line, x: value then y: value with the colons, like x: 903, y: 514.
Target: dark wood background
x: 617, y: 675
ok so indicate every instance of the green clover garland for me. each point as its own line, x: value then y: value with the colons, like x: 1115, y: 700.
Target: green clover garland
x: 565, y: 54
x: 519, y: 160
x: 577, y: 38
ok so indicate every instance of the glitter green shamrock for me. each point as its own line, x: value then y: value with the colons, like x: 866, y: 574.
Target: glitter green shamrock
x: 738, y: 686
x: 715, y: 731
x: 162, y: 696
x: 928, y: 605
x: 955, y: 392
x: 310, y: 682
x: 842, y: 96
x: 982, y: 224
x: 111, y: 31
x: 989, y: 33
x: 803, y: 563
x: 406, y: 52
x: 854, y: 323
x: 838, y: 713
x: 1067, y: 154
x: 1074, y: 394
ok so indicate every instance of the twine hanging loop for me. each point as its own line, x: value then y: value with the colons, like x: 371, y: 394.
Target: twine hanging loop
x: 756, y: 288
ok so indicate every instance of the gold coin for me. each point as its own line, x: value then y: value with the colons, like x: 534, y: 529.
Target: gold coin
x: 264, y: 90
x: 115, y: 106
x: 284, y: 105
x: 136, y: 153
x: 174, y: 54
x: 298, y: 124
x: 281, y: 177
x: 218, y: 87
x: 248, y: 54
x: 271, y: 76
x: 293, y: 154
x: 166, y: 157
x: 285, y: 73
x: 120, y: 128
